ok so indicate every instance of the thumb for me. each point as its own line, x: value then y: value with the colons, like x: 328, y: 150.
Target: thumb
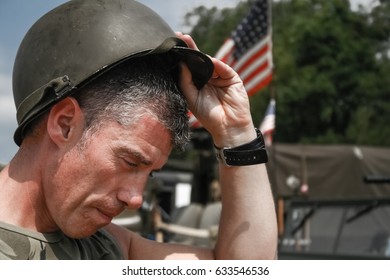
x: 187, y: 86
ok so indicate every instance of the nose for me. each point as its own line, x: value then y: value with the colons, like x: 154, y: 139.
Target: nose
x: 132, y: 200
x: 132, y: 196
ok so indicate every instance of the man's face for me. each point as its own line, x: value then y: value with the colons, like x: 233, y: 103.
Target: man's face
x: 93, y: 183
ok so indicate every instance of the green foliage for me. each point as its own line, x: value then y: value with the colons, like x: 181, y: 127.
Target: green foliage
x: 214, y: 26
x: 331, y: 68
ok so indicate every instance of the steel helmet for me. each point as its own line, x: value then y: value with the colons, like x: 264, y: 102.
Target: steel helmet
x: 77, y: 41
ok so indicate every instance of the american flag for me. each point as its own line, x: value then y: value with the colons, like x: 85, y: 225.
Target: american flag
x: 249, y: 49
x: 267, y: 126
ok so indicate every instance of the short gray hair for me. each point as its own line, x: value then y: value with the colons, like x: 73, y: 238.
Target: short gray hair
x: 127, y: 92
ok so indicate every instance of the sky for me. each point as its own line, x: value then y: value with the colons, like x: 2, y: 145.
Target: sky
x: 16, y: 17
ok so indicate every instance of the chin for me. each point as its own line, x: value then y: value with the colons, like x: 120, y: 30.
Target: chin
x: 80, y: 232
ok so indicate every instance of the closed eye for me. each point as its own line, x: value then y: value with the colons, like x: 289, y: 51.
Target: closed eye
x: 131, y: 164
x: 135, y: 165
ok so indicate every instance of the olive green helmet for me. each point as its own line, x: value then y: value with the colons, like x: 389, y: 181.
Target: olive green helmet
x: 77, y: 41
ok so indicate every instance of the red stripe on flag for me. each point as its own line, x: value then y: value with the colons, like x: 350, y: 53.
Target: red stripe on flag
x: 259, y: 86
x: 253, y: 58
x: 249, y: 48
x: 227, y: 56
x: 256, y: 71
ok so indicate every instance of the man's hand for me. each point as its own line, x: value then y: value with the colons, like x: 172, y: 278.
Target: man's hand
x: 222, y: 105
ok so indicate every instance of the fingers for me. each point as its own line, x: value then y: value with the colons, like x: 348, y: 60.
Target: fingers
x: 224, y: 72
x: 221, y: 70
x: 188, y: 40
x: 188, y: 88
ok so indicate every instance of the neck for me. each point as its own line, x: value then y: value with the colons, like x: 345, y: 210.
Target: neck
x: 22, y: 200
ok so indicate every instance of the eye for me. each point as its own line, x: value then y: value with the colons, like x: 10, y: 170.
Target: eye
x: 129, y: 163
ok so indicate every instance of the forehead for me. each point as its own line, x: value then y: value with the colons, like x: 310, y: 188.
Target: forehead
x: 147, y: 136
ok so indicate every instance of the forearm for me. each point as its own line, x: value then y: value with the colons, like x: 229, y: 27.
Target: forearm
x: 248, y: 220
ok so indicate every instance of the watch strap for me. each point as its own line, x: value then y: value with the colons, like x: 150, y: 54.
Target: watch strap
x: 250, y: 153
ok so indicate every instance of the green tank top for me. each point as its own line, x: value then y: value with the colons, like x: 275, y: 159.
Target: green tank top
x: 20, y: 244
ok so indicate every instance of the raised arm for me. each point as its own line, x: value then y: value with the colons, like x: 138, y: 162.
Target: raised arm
x: 248, y: 221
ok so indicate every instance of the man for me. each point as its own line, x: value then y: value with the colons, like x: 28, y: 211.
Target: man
x: 101, y: 89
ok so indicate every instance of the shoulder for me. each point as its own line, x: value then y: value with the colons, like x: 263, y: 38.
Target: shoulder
x: 122, y: 236
x: 134, y: 246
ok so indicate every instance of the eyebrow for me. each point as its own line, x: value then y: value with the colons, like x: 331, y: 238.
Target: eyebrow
x: 134, y: 153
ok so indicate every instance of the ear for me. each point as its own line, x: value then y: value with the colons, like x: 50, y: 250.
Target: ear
x: 65, y: 122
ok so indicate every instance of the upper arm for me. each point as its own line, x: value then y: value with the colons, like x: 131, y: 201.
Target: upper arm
x: 136, y: 247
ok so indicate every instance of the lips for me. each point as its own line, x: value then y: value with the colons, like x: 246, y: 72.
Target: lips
x: 107, y: 215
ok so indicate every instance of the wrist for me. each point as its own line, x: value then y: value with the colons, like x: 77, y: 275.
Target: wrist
x: 235, y: 137
x: 252, y: 152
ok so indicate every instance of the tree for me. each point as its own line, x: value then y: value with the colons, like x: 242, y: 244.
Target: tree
x: 331, y: 68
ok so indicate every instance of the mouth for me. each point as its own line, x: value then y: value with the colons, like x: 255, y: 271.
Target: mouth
x: 106, y: 215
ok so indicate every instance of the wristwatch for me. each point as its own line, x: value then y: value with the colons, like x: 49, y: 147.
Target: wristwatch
x: 251, y: 153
